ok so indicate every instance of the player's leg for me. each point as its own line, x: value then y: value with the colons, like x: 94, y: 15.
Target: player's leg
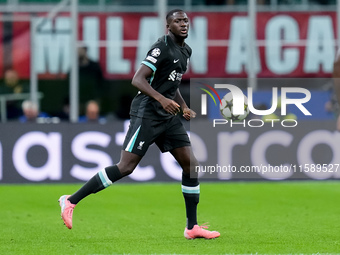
x: 190, y: 184
x: 107, y: 176
x: 130, y: 157
x: 175, y: 140
x: 103, y: 179
x: 191, y: 193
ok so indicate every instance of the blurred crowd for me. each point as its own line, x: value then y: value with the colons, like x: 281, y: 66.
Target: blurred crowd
x: 19, y: 107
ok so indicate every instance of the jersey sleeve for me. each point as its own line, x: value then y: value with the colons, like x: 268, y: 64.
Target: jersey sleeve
x: 155, y: 56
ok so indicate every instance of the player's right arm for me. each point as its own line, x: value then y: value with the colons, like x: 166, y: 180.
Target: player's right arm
x: 140, y: 81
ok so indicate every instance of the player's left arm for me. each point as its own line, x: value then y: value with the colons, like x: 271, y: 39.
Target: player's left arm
x: 187, y: 112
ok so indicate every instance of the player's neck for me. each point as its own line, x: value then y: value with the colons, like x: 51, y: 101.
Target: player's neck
x: 178, y: 40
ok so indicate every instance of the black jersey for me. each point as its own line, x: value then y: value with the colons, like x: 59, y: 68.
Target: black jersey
x: 169, y: 62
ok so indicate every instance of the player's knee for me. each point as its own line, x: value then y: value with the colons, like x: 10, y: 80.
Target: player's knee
x: 126, y: 169
x: 129, y: 171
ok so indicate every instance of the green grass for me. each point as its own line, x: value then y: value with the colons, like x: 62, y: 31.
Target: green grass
x: 264, y: 217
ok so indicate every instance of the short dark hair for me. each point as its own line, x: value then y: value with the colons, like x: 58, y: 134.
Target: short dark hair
x: 171, y: 13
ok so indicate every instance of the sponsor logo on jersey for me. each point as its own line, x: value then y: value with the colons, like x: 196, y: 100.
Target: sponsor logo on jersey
x: 176, y: 60
x: 174, y: 76
x: 156, y: 52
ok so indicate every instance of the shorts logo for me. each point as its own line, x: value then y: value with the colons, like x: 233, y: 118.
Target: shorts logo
x: 156, y: 52
x: 140, y: 146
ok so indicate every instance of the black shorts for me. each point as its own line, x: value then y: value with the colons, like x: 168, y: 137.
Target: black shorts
x: 168, y: 134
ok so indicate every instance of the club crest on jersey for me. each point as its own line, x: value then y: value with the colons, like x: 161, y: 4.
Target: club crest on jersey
x: 140, y: 146
x: 156, y: 52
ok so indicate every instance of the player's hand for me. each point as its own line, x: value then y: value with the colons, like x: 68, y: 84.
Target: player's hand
x: 170, y: 106
x: 188, y: 114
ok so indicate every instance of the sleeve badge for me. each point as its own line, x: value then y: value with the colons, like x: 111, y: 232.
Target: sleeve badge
x: 155, y: 52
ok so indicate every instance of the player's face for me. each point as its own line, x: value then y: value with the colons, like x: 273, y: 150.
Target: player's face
x: 179, y: 25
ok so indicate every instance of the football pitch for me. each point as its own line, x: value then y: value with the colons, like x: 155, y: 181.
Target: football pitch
x: 256, y: 217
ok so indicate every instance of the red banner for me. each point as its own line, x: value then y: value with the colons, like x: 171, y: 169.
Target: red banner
x: 295, y: 44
